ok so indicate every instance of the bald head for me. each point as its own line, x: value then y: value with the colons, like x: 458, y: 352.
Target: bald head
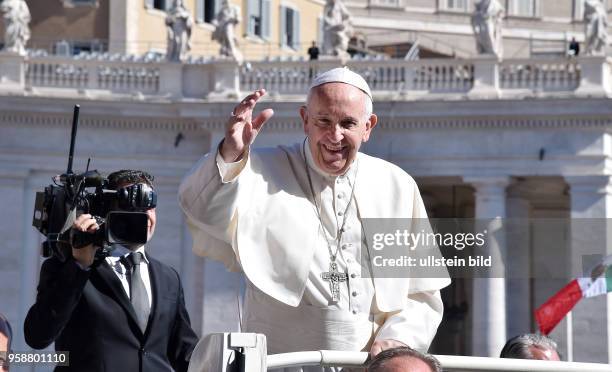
x: 403, y: 359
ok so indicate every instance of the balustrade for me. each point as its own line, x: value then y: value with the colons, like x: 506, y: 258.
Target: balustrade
x: 582, y: 75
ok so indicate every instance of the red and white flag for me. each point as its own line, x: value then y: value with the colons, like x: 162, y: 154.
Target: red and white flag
x: 555, y: 308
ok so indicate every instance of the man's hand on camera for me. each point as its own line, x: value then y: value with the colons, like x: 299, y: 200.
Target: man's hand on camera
x: 85, y: 255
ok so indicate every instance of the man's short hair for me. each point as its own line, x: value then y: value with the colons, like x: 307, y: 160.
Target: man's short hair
x: 128, y: 176
x: 378, y: 363
x: 518, y: 347
x: 5, y: 329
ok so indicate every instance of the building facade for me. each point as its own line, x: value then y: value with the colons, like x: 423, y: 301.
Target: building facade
x: 268, y: 28
x: 515, y: 138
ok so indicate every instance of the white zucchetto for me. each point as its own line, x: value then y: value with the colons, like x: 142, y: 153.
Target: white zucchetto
x: 342, y: 75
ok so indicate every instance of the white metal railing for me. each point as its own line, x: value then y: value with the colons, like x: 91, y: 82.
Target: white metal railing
x: 217, y: 78
x: 216, y: 351
x: 450, y: 363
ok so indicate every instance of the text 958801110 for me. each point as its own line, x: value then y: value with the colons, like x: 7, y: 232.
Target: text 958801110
x: 59, y: 358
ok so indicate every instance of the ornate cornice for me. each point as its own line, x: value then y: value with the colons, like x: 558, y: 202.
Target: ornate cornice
x: 285, y: 124
x: 107, y: 122
x: 601, y: 122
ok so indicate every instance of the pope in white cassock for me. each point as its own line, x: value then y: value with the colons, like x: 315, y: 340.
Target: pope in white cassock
x: 290, y: 218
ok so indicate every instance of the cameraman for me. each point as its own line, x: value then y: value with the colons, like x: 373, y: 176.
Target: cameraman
x: 125, y: 312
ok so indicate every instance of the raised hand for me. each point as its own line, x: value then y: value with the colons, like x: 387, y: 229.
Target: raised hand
x: 242, y: 128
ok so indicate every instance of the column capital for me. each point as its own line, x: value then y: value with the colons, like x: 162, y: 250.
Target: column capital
x: 13, y: 176
x: 487, y: 183
x: 490, y: 195
x: 599, y: 184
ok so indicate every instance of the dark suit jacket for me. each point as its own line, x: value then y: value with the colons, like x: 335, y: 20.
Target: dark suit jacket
x: 89, y: 314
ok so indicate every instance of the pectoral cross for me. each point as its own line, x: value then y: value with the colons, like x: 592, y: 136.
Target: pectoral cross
x: 334, y: 277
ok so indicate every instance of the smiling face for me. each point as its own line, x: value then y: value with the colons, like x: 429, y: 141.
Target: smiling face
x: 336, y: 122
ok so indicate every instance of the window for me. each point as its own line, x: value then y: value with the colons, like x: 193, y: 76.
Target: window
x: 454, y: 5
x: 206, y: 10
x: 523, y: 8
x: 158, y: 4
x: 73, y: 3
x: 290, y: 27
x: 386, y: 3
x: 258, y: 18
x: 578, y: 9
x: 67, y: 48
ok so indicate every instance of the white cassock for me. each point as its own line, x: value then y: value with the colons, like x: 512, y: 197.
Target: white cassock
x: 257, y: 215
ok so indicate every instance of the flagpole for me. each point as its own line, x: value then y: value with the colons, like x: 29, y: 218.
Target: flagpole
x: 569, y: 337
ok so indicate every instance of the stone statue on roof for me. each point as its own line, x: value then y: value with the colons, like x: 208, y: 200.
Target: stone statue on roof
x: 16, y: 20
x: 224, y: 22
x: 487, y: 24
x: 179, y: 23
x: 337, y: 29
x: 596, y: 24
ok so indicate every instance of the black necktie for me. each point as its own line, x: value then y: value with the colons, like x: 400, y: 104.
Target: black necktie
x: 138, y: 292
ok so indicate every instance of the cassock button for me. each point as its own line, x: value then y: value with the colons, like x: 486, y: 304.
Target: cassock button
x: 354, y: 293
x: 340, y: 213
x: 353, y: 275
x: 344, y: 246
x: 340, y: 196
x: 354, y: 311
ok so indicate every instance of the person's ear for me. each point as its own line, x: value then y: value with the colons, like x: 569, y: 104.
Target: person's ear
x: 304, y: 116
x: 370, y: 124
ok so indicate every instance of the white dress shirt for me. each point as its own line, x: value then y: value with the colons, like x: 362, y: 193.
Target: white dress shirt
x: 121, y: 271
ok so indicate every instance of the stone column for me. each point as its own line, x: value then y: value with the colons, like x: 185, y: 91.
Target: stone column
x: 518, y: 241
x: 595, y: 79
x: 14, y: 251
x: 124, y: 27
x: 489, y: 294
x: 31, y: 250
x: 591, y: 204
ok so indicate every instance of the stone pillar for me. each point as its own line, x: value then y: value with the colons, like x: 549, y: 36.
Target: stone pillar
x: 225, y: 79
x: 30, y: 253
x: 591, y: 199
x: 15, y: 223
x: 489, y: 294
x: 486, y: 78
x: 595, y: 76
x: 222, y: 300
x: 171, y: 79
x: 518, y: 257
x: 123, y: 27
x: 12, y: 72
